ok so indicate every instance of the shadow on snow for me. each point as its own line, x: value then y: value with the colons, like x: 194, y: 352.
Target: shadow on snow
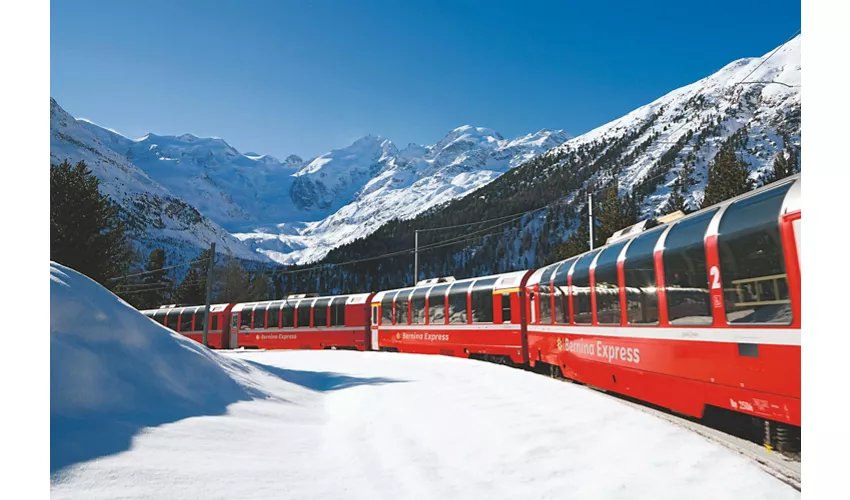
x: 321, y: 381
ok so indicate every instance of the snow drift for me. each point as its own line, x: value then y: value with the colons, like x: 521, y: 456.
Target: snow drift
x: 114, y: 371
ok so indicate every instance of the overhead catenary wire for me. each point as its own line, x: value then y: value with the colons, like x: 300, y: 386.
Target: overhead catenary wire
x: 158, y: 270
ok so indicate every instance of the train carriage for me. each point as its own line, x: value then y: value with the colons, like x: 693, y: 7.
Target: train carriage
x: 189, y: 321
x: 478, y: 318
x: 700, y: 312
x: 300, y: 322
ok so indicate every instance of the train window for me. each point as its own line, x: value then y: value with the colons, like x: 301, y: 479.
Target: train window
x: 457, y: 303
x: 752, y: 264
x: 437, y: 304
x: 260, y: 316
x: 234, y: 320
x: 273, y: 316
x: 374, y: 315
x: 245, y: 318
x: 606, y: 285
x: 387, y: 308
x: 304, y: 313
x: 213, y: 323
x: 581, y: 290
x: 417, y: 306
x: 401, y: 302
x: 320, y: 313
x: 482, y: 300
x: 159, y: 317
x: 338, y: 311
x: 288, y: 316
x: 186, y: 320
x: 561, y: 292
x: 199, y: 320
x: 640, y: 282
x: 685, y: 273
x: 173, y: 319
x: 506, y: 308
x: 544, y: 294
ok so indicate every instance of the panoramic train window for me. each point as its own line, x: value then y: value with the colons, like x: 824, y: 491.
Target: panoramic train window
x: 581, y: 290
x: 457, y: 303
x: 260, y: 316
x: 606, y: 285
x: 288, y: 318
x: 303, y: 320
x: 417, y: 306
x: 685, y: 273
x: 506, y: 308
x: 482, y: 300
x: 173, y: 319
x: 437, y: 304
x: 544, y: 295
x: 199, y: 320
x: 245, y: 315
x: 561, y: 292
x: 640, y: 282
x: 338, y: 311
x: 273, y: 319
x: 159, y: 317
x: 752, y: 264
x: 320, y: 313
x: 401, y: 301
x: 387, y: 308
x: 186, y: 320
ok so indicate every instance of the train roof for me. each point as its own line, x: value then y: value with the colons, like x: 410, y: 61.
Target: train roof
x: 214, y: 308
x: 791, y: 203
x: 355, y: 298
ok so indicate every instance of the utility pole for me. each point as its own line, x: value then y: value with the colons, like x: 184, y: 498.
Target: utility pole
x: 416, y: 257
x: 590, y: 216
x: 210, y: 263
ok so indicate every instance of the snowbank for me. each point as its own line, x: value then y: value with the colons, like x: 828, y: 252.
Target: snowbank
x: 113, y: 371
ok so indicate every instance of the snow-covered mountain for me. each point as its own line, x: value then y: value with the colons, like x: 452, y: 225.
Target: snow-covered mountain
x: 295, y: 211
x: 372, y: 182
x: 156, y: 217
x: 751, y: 105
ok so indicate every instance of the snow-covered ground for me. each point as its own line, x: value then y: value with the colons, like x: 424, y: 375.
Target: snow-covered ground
x: 139, y: 412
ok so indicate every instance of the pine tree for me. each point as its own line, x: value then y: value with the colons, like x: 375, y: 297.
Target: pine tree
x: 156, y: 287
x: 193, y: 289
x: 781, y: 168
x: 86, y: 232
x: 728, y: 176
x: 676, y: 202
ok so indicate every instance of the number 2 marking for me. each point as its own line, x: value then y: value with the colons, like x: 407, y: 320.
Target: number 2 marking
x: 715, y: 277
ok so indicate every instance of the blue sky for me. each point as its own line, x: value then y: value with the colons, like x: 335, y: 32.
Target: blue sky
x: 304, y: 77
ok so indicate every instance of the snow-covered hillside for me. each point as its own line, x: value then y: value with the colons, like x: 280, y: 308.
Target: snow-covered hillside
x: 138, y: 411
x: 292, y: 210
x: 156, y: 217
x: 759, y: 95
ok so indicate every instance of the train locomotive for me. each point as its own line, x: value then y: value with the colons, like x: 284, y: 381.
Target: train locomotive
x: 698, y: 313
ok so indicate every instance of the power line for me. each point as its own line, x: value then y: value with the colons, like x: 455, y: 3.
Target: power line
x: 769, y: 56
x: 157, y: 270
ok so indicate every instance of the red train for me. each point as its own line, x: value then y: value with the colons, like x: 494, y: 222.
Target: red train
x: 701, y: 311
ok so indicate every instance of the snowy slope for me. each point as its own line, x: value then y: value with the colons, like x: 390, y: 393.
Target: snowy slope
x: 155, y: 216
x: 114, y: 372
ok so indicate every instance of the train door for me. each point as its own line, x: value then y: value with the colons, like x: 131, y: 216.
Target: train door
x: 234, y: 330
x: 228, y: 338
x: 374, y: 322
